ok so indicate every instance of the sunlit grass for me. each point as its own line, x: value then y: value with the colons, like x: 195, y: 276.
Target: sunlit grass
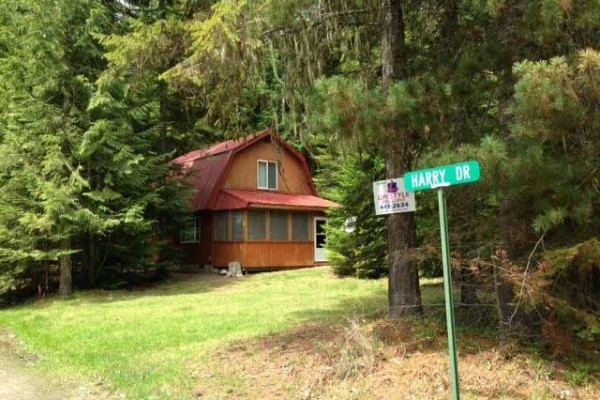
x: 142, y: 343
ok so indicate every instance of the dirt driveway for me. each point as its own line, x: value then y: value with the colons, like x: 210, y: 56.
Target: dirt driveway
x: 17, y: 383
x: 20, y: 382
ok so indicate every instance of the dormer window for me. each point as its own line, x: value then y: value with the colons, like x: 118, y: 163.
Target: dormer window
x: 267, y: 175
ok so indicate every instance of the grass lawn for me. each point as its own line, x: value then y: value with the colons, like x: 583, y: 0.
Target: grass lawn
x: 142, y: 342
x: 284, y: 335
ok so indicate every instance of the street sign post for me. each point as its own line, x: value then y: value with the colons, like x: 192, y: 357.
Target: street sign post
x: 448, y: 295
x: 390, y: 197
x: 439, y: 178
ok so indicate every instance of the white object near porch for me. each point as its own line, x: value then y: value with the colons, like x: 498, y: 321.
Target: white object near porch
x: 320, y: 239
x: 235, y: 269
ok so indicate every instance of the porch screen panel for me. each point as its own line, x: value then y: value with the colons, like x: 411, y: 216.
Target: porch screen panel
x: 257, y: 225
x: 221, y: 233
x: 300, y: 227
x: 279, y: 225
x: 237, y: 226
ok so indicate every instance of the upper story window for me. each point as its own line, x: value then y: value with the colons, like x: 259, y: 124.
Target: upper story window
x: 267, y: 175
x: 191, y: 231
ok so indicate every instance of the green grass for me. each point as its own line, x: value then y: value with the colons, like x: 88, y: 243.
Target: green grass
x: 143, y: 343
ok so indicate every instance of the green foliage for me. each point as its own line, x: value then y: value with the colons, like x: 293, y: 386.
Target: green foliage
x: 581, y: 373
x: 83, y: 158
x: 357, y: 118
x: 96, y: 97
x: 584, y: 258
x: 347, y: 110
x: 555, y: 107
x: 572, y: 287
x: 227, y: 48
x: 553, y: 99
x: 362, y: 252
x: 47, y: 71
x: 352, y: 112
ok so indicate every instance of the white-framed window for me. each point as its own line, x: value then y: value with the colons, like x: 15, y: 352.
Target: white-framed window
x: 267, y: 175
x: 191, y: 231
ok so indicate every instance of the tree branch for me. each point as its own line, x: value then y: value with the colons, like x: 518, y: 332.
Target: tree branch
x: 321, y: 18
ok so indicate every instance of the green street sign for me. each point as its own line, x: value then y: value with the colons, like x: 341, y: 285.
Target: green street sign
x: 446, y: 175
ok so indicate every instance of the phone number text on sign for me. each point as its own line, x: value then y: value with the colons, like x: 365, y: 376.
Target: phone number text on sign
x: 390, y: 197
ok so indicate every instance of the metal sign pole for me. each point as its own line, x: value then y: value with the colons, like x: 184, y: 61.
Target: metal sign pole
x: 448, y: 294
x: 438, y: 178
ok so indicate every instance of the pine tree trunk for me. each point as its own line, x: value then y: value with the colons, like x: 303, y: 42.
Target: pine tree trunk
x: 90, y: 258
x: 404, y: 293
x: 93, y: 259
x: 65, y: 287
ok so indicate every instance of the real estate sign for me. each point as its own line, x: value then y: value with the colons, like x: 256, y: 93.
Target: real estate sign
x: 446, y: 175
x: 391, y: 197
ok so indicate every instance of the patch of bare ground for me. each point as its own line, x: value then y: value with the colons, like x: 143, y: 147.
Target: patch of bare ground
x: 378, y: 360
x: 19, y: 381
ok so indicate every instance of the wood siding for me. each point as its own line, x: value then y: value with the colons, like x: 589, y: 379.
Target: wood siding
x: 264, y: 255
x: 206, y: 238
x: 255, y: 255
x: 242, y: 173
x: 199, y: 253
x: 252, y: 255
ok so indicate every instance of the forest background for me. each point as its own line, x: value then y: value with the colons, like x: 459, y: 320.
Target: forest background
x: 96, y: 96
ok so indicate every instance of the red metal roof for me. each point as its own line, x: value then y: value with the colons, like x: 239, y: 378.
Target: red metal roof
x: 230, y: 199
x: 206, y: 169
x: 205, y: 174
x: 228, y: 146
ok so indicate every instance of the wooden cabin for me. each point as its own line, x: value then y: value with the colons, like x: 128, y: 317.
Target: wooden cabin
x: 254, y: 202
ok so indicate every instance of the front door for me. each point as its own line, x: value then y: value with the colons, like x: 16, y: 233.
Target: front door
x: 320, y: 239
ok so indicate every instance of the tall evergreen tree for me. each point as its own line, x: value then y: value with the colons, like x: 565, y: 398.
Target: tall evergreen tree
x: 83, y: 174
x: 47, y: 72
x: 404, y: 294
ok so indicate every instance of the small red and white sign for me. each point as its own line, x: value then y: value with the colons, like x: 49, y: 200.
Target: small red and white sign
x: 390, y: 197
